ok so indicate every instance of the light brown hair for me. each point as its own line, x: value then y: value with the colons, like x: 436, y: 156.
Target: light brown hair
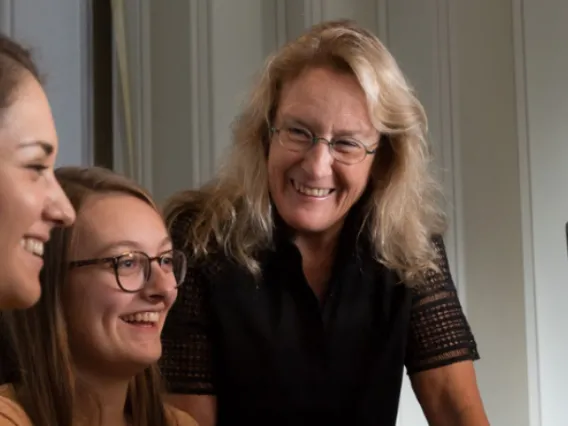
x: 48, y: 387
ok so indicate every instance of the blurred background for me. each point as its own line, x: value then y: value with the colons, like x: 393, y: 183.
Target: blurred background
x: 150, y: 88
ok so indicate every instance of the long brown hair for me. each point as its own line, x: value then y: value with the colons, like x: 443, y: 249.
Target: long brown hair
x: 47, y: 385
x: 403, y: 210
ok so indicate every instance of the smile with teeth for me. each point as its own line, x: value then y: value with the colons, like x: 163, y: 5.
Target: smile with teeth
x: 33, y: 245
x: 142, y: 318
x: 312, y: 192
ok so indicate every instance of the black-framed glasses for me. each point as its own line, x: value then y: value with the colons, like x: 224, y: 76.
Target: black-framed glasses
x: 344, y: 150
x: 133, y: 269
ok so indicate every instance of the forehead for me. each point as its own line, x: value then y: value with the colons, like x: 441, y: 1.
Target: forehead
x: 321, y: 92
x: 107, y: 219
x: 28, y: 117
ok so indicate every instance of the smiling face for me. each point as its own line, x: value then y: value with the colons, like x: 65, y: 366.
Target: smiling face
x: 31, y: 200
x: 312, y: 191
x: 112, y: 331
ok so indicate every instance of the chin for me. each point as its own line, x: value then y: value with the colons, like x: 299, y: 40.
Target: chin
x: 148, y: 357
x: 136, y: 364
x: 309, y: 225
x: 21, y: 293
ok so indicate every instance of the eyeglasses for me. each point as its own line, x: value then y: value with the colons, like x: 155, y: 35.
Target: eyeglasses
x: 133, y: 269
x: 345, y: 150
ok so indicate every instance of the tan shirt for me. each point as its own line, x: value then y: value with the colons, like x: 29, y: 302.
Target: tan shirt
x: 12, y: 414
x: 177, y: 417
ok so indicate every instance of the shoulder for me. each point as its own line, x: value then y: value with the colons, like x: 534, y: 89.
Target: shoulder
x: 178, y: 417
x: 11, y: 413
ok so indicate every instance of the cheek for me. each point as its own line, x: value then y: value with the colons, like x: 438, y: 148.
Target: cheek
x: 280, y: 162
x: 22, y: 199
x: 93, y: 304
x: 354, y: 178
x: 274, y: 170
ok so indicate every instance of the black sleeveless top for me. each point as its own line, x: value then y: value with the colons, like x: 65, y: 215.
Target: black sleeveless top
x: 272, y: 354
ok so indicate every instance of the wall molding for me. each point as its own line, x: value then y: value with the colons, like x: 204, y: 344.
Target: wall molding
x: 203, y: 148
x: 531, y: 314
x: 275, y: 25
x: 87, y: 86
x: 144, y: 107
x: 281, y: 23
x: 382, y: 20
x: 7, y: 16
x: 314, y: 12
x: 448, y: 83
x: 132, y: 90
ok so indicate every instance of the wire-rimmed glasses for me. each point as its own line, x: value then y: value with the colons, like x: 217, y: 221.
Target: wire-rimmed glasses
x: 344, y: 150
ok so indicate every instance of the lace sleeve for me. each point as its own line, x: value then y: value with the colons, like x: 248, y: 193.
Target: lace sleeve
x: 439, y: 333
x: 186, y: 362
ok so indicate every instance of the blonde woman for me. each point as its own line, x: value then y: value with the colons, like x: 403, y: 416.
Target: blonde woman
x: 87, y: 350
x: 318, y: 266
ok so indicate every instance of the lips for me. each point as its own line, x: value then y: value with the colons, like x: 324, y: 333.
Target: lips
x: 33, y: 245
x: 142, y: 318
x: 312, y: 191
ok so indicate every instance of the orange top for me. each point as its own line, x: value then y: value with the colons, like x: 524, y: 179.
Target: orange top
x: 11, y: 413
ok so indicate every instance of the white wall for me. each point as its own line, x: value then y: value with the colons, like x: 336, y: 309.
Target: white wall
x: 545, y: 151
x: 58, y: 33
x: 484, y: 70
x: 491, y: 76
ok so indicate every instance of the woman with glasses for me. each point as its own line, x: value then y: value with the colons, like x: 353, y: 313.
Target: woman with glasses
x: 86, y: 352
x: 31, y: 201
x: 318, y: 268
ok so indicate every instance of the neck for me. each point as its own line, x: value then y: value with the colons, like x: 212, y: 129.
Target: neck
x: 318, y: 255
x: 101, y: 398
x: 318, y: 245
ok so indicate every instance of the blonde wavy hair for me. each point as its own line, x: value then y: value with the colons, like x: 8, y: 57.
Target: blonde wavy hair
x: 402, y: 213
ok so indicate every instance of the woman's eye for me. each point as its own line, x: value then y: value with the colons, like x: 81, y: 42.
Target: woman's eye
x: 299, y: 133
x: 39, y: 168
x: 167, y: 260
x: 346, y: 145
x: 127, y: 263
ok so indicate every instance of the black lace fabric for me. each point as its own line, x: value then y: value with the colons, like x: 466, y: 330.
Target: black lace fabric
x: 186, y: 362
x: 439, y: 333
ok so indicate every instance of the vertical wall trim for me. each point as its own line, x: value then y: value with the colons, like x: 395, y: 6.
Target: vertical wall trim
x: 313, y: 12
x: 144, y: 108
x: 531, y: 314
x: 452, y: 144
x: 136, y: 52
x: 203, y: 150
x: 87, y: 82
x: 281, y: 23
x: 451, y: 137
x: 7, y: 16
x: 383, y: 20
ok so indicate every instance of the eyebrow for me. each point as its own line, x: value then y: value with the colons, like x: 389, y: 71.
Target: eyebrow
x: 130, y: 245
x: 46, y: 146
x: 289, y: 119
